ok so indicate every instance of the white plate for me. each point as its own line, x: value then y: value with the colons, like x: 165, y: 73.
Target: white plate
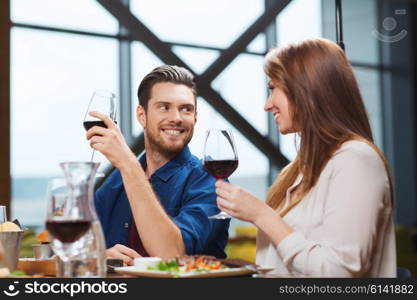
x: 132, y: 270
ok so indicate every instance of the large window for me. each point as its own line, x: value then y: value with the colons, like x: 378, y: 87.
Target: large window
x: 53, y: 76
x: 63, y: 50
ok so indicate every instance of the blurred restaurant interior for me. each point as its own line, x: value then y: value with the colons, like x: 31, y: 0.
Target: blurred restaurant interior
x: 55, y: 53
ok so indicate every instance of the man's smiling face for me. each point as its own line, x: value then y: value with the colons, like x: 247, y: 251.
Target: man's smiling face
x: 170, y: 117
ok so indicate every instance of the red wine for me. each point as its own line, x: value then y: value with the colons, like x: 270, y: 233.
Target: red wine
x: 221, y: 169
x: 68, y: 231
x: 89, y: 124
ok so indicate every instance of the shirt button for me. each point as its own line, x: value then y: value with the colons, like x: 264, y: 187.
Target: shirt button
x: 126, y: 225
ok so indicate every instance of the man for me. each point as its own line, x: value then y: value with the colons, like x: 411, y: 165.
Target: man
x: 160, y: 205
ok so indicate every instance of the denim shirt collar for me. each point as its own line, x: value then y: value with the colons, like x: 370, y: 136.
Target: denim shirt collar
x: 168, y: 170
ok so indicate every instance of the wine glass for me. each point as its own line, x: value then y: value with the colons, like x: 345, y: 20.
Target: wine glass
x: 220, y: 157
x: 103, y: 102
x: 67, y: 220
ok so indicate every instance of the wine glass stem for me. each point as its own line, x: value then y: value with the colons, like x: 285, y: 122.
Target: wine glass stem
x: 92, y: 155
x: 67, y: 269
x: 64, y: 267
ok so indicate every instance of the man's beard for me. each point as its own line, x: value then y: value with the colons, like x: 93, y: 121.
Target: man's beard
x: 160, y: 147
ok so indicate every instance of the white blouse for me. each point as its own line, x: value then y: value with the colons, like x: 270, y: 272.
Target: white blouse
x: 344, y: 225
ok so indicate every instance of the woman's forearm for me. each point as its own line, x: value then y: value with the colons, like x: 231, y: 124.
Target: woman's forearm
x: 270, y: 222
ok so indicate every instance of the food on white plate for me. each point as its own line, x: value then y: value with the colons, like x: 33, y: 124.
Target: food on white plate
x: 193, y: 263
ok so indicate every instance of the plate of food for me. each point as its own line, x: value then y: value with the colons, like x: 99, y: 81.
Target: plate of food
x: 197, y: 266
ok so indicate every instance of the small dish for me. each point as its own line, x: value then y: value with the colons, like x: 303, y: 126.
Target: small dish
x: 42, y: 251
x: 142, y: 263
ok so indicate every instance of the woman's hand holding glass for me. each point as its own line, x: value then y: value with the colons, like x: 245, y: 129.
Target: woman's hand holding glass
x: 238, y: 202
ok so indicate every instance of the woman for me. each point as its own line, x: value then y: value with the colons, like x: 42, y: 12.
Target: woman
x: 329, y: 212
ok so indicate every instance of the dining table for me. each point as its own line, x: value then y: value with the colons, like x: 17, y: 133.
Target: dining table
x: 46, y: 268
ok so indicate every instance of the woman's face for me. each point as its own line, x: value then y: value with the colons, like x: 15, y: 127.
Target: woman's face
x: 279, y: 106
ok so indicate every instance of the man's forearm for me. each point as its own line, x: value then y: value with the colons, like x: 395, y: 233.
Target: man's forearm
x: 159, y: 234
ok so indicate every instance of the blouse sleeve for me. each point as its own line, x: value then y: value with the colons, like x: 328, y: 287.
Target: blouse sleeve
x: 352, y: 219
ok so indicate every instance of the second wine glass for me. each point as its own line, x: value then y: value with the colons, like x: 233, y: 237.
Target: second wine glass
x: 220, y: 157
x: 67, y: 220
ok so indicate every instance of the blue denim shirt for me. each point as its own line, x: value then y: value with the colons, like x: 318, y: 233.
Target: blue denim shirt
x: 188, y: 196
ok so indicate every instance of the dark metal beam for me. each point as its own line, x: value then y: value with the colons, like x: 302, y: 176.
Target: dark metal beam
x: 5, y: 180
x: 339, y: 25
x: 243, y: 41
x: 139, y: 31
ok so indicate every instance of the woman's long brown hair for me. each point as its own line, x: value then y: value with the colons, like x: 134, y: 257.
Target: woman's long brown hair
x: 326, y: 108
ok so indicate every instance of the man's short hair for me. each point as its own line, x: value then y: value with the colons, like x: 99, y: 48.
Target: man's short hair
x: 165, y: 73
